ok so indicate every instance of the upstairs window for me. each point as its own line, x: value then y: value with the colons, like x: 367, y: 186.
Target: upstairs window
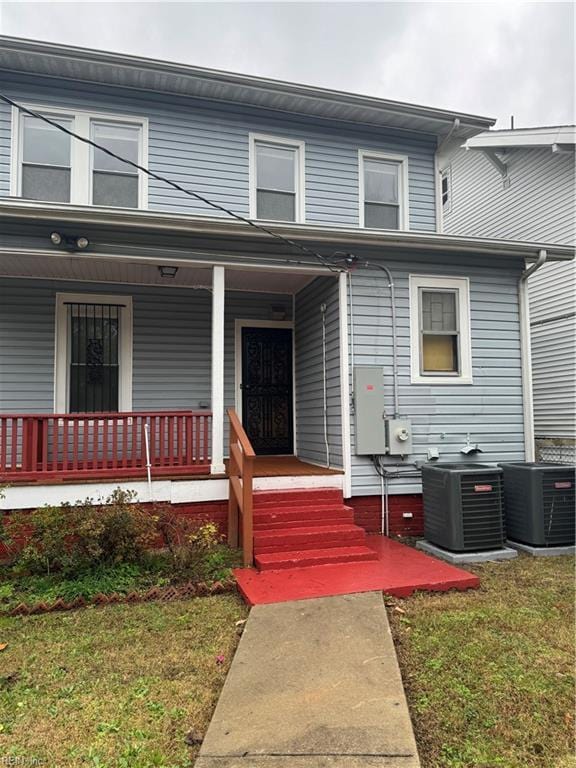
x: 440, y: 330
x: 113, y: 182
x: 46, y: 161
x: 50, y: 166
x: 277, y: 179
x: 383, y: 191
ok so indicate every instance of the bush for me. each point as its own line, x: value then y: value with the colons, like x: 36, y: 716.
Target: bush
x: 71, y: 538
x: 194, y: 546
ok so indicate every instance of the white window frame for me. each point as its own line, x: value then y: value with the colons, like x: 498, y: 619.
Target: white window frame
x: 299, y: 185
x: 446, y: 174
x: 62, y: 351
x: 81, y: 154
x: 403, y: 198
x: 460, y: 285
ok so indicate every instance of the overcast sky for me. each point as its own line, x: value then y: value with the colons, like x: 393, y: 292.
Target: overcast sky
x: 495, y: 59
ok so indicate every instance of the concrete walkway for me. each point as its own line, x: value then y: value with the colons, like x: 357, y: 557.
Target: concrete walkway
x: 314, y: 684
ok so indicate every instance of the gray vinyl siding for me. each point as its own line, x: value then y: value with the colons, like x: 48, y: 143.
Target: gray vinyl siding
x: 490, y: 409
x: 204, y: 147
x: 311, y: 443
x: 171, y: 342
x: 537, y: 206
x: 553, y: 377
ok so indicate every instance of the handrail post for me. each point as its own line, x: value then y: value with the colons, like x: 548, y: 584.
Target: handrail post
x: 240, y: 501
x: 247, y: 522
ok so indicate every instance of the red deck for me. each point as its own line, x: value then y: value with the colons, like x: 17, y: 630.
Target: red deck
x: 398, y: 570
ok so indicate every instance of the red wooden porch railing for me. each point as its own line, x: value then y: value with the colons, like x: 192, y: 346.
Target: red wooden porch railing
x: 103, y: 445
x: 240, y: 500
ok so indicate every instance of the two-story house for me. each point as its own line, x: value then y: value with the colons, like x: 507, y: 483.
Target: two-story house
x: 521, y: 183
x: 318, y: 299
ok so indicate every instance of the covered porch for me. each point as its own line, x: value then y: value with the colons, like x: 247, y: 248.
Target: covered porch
x: 167, y: 349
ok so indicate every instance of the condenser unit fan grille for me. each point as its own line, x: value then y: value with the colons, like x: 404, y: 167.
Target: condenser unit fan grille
x: 481, y: 499
x: 558, y: 501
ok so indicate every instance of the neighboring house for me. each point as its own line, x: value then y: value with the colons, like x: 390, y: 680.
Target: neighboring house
x: 521, y: 184
x: 124, y: 296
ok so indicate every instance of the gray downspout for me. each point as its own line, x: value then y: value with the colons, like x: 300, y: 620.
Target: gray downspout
x: 526, y: 355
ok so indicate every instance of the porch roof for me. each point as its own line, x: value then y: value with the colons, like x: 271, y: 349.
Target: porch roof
x: 170, y: 224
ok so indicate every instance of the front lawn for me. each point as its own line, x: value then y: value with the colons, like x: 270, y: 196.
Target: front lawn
x: 124, y: 686
x: 489, y: 673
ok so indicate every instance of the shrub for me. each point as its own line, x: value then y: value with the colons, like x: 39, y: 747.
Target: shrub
x: 193, y: 545
x: 71, y: 538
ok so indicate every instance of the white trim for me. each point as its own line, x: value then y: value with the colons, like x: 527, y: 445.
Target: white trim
x: 218, y: 299
x: 80, y: 153
x: 172, y: 491
x: 299, y: 170
x: 462, y: 286
x: 526, y: 362
x: 345, y: 383
x: 438, y: 195
x: 240, y: 323
x: 61, y: 371
x: 403, y: 188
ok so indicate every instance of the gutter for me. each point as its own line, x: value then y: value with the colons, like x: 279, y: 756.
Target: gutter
x: 526, y: 355
x: 160, y: 221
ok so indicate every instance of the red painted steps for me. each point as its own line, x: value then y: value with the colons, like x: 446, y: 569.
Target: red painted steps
x: 300, y: 559
x: 306, y: 527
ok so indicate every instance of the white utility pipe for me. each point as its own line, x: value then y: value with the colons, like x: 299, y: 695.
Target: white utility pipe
x: 148, y: 464
x: 526, y: 356
x: 325, y: 384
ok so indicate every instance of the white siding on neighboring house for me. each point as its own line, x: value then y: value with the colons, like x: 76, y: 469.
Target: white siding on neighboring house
x: 537, y: 206
x: 536, y: 203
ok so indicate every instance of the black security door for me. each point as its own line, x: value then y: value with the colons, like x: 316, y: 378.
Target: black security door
x: 267, y: 389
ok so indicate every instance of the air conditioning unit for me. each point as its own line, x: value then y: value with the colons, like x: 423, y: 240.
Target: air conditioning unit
x: 540, y: 503
x: 463, y: 506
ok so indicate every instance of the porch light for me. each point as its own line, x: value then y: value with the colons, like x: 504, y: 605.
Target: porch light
x: 69, y: 243
x: 168, y: 271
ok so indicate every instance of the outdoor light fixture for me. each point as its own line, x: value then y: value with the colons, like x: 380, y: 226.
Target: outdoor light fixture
x: 69, y: 243
x: 168, y: 271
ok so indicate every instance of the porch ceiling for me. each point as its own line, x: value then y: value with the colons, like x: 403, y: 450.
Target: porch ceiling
x: 65, y: 267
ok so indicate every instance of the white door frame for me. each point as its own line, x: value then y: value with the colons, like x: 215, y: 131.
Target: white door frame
x: 240, y: 323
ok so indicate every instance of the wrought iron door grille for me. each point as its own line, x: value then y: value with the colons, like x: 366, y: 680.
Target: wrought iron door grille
x: 94, y: 370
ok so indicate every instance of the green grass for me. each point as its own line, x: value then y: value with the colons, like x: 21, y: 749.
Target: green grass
x: 114, y: 687
x: 489, y: 673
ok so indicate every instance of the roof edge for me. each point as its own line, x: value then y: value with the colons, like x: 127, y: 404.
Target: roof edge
x: 113, y: 59
x: 218, y: 225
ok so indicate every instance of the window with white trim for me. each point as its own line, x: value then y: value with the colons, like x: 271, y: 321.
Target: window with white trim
x: 93, y: 353
x: 446, y: 190
x: 277, y: 179
x: 383, y: 191
x: 440, y: 330
x: 50, y: 166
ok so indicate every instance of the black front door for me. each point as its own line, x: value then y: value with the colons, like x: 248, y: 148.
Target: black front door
x: 267, y: 389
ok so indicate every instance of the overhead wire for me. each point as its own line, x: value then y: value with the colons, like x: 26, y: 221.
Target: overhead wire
x: 158, y: 177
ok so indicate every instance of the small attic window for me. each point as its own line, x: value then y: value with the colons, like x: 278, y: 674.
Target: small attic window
x: 447, y: 190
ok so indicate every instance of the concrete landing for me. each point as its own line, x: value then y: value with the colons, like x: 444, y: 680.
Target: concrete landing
x: 313, y: 684
x: 397, y: 570
x: 463, y: 558
x: 542, y: 551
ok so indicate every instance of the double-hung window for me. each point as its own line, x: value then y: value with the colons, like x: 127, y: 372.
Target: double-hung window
x: 51, y: 166
x: 46, y: 159
x: 93, y: 353
x: 440, y: 330
x: 383, y: 191
x: 277, y: 179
